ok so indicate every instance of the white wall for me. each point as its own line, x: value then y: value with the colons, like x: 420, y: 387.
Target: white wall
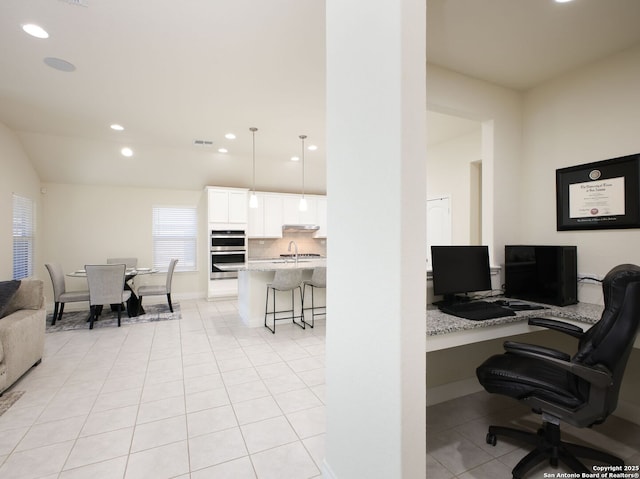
x: 376, y: 193
x: 499, y: 110
x: 87, y: 224
x: 589, y: 115
x: 17, y: 176
x: 448, y: 174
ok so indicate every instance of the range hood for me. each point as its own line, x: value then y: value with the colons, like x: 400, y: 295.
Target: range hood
x: 300, y: 228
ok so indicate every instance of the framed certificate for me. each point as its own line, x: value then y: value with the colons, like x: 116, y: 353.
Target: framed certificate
x: 599, y: 195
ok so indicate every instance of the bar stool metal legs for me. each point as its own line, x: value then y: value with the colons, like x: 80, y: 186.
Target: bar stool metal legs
x: 318, y: 280
x: 285, y: 280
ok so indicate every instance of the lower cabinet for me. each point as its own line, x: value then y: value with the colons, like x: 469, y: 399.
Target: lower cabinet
x: 222, y: 288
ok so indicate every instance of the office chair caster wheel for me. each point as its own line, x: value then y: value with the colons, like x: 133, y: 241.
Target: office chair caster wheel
x: 491, y: 439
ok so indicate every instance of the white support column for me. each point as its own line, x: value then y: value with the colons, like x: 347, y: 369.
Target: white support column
x: 376, y: 156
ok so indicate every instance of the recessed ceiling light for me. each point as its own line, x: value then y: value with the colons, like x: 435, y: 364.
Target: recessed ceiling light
x: 295, y: 158
x: 35, y: 30
x: 117, y: 127
x: 222, y: 150
x: 563, y: 1
x: 59, y: 64
x: 230, y: 136
x: 126, y: 151
x: 312, y: 148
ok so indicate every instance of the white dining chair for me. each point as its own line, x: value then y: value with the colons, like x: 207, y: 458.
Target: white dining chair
x: 60, y: 293
x: 128, y: 262
x: 159, y: 289
x: 106, y: 286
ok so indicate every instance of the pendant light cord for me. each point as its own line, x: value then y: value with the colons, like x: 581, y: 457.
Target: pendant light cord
x: 302, y: 137
x: 253, y: 130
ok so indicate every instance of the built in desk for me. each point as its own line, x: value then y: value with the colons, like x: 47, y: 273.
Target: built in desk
x: 446, y: 331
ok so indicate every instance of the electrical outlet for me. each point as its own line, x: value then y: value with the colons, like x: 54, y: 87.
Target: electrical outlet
x: 589, y: 278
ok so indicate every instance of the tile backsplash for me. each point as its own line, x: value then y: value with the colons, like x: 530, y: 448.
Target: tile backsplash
x: 273, y: 247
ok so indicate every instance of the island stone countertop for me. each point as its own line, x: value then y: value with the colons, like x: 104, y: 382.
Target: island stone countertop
x: 442, y: 323
x: 275, y: 264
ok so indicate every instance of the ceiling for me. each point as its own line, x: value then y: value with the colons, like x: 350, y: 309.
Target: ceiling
x: 175, y: 72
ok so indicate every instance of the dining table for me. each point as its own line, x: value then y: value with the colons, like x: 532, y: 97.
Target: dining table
x: 133, y: 303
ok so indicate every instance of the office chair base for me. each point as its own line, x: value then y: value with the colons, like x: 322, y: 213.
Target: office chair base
x: 548, y: 445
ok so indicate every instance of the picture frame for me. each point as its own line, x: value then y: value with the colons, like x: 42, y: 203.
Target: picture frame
x: 599, y: 195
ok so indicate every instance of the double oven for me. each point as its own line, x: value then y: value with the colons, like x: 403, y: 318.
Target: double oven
x: 228, y: 252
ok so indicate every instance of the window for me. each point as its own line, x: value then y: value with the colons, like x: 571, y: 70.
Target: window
x: 174, y: 236
x: 22, y: 237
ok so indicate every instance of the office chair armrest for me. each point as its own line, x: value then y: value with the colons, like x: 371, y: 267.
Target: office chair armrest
x: 556, y: 325
x: 514, y: 347
x: 599, y: 376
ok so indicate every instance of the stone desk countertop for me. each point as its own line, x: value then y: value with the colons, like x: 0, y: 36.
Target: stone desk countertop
x: 442, y: 323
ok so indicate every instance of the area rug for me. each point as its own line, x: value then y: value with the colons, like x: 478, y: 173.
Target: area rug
x: 8, y: 399
x: 109, y: 319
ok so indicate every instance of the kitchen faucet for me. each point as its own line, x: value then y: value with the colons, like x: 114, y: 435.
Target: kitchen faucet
x: 296, y: 250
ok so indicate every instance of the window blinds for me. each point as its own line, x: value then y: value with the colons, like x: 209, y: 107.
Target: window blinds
x: 22, y: 237
x: 174, y: 236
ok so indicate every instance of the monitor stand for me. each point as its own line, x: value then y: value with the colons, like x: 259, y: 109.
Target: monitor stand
x: 449, y: 299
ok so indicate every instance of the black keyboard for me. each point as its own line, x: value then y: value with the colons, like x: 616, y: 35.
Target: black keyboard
x: 476, y: 310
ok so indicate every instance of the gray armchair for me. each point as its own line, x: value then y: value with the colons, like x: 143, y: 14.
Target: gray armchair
x: 159, y: 289
x: 106, y: 286
x: 60, y: 293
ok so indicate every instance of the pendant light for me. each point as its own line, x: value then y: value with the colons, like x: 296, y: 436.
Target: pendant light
x: 253, y: 199
x: 303, y: 202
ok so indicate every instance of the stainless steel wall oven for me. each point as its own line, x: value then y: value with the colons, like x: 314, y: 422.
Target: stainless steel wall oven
x: 228, y: 252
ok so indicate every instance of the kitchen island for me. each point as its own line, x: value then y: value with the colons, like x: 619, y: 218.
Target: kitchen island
x: 252, y: 287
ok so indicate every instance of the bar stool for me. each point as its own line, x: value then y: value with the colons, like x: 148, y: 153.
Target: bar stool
x: 285, y: 280
x: 318, y: 280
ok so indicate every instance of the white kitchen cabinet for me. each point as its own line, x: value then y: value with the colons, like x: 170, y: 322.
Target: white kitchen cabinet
x: 292, y: 213
x: 227, y: 205
x: 322, y: 217
x: 277, y: 209
x: 273, y: 216
x: 255, y: 225
x: 265, y: 221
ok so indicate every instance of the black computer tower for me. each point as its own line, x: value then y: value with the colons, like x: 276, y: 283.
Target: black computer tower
x: 542, y: 274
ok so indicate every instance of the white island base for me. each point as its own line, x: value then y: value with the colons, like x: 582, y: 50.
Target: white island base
x: 252, y: 292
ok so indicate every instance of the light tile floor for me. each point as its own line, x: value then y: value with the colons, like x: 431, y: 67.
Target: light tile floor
x: 203, y: 397
x: 456, y: 431
x: 206, y: 397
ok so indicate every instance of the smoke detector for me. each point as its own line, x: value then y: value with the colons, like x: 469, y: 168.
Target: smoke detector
x: 203, y: 142
x: 78, y: 3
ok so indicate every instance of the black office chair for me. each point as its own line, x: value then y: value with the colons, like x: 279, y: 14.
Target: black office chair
x: 581, y: 390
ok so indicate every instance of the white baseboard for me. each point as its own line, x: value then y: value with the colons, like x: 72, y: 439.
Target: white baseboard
x: 452, y: 390
x: 446, y: 392
x: 628, y: 411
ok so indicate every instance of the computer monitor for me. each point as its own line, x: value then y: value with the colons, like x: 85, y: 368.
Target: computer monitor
x: 458, y: 270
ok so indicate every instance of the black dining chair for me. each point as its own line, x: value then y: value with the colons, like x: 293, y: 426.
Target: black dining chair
x: 580, y: 389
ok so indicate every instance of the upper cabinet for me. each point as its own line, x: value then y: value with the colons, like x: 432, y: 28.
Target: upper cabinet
x: 322, y: 217
x: 293, y: 215
x: 227, y: 205
x: 277, y: 209
x: 265, y: 221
